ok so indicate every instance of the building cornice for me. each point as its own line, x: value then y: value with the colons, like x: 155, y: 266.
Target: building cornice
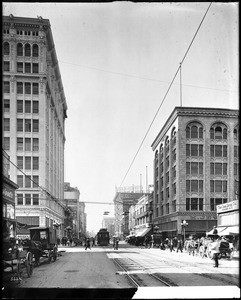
x: 195, y: 112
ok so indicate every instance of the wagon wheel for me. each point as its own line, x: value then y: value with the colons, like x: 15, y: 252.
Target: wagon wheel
x: 54, y: 254
x: 49, y: 256
x: 37, y: 259
x: 29, y: 264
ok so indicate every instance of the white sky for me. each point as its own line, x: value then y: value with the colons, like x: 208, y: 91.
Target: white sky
x: 116, y: 62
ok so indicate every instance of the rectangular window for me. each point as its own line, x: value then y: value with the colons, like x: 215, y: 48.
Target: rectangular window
x: 28, y: 107
x: 188, y: 168
x: 200, y: 150
x: 218, y: 151
x: 187, y: 150
x: 194, y: 185
x: 20, y: 125
x: 19, y: 106
x: 235, y: 151
x: 194, y: 150
x: 27, y: 181
x: 212, y: 168
x: 212, y: 151
x: 188, y: 186
x: 27, y: 67
x: 200, y: 203
x: 212, y: 186
x: 200, y: 168
x: 167, y: 208
x: 6, y: 87
x: 6, y: 66
x: 35, y: 88
x: 27, y: 125
x: 225, y: 186
x: 27, y: 144
x: 188, y: 204
x: 19, y: 199
x: 218, y: 186
x: 27, y: 163
x: 218, y: 169
x: 194, y: 168
x: 27, y: 89
x: 36, y: 181
x: 27, y: 199
x: 6, y: 143
x: 35, y: 107
x: 19, y: 88
x: 6, y: 105
x: 20, y: 144
x: 225, y: 169
x: 200, y: 183
x: 19, y: 67
x: 35, y: 199
x: 35, y: 68
x: 194, y: 203
x: 225, y: 151
x: 35, y: 163
x: 20, y: 180
x: 20, y: 162
x: 6, y: 126
x: 35, y: 126
x: 35, y: 144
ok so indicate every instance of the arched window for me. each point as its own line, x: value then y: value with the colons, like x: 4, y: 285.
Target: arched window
x: 6, y: 48
x: 173, y: 136
x: 35, y: 50
x: 19, y: 49
x: 218, y: 132
x: 167, y: 146
x: 236, y: 133
x: 194, y: 130
x: 27, y: 50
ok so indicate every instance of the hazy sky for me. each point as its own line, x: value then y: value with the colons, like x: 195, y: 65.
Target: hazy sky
x: 116, y: 62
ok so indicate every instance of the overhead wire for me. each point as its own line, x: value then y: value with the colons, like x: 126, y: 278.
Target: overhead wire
x: 169, y: 87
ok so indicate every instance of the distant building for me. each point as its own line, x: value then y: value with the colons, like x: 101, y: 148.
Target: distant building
x: 71, y: 199
x: 122, y: 203
x: 196, y: 168
x: 34, y: 113
x: 109, y: 224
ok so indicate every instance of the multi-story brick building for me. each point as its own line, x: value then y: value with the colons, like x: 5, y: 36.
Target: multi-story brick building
x: 34, y: 108
x: 195, y: 168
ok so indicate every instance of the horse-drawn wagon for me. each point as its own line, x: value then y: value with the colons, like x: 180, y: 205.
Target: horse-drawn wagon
x: 16, y: 258
x: 43, y: 243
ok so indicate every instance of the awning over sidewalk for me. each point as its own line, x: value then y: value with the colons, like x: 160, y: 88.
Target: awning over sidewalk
x: 143, y: 232
x: 225, y: 230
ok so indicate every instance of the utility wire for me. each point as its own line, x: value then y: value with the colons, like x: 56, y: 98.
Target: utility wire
x: 6, y: 156
x: 165, y: 94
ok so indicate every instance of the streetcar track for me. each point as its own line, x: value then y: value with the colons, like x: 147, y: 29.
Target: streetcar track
x: 205, y: 275
x: 135, y: 278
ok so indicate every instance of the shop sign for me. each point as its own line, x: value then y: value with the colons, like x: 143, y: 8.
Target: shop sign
x: 233, y: 205
x: 8, y: 193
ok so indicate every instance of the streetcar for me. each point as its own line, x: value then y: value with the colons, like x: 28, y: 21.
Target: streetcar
x: 103, y: 237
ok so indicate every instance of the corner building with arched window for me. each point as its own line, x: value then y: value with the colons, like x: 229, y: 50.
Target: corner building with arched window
x: 196, y: 168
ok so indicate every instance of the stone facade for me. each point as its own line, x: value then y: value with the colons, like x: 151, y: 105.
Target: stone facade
x: 35, y: 108
x: 195, y: 168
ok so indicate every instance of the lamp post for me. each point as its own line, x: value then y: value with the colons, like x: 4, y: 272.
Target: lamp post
x: 184, y: 224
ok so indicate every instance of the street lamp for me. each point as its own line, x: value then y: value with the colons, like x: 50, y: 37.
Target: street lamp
x: 184, y: 224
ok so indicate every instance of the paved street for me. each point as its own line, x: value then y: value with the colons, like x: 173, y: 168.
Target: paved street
x: 79, y: 269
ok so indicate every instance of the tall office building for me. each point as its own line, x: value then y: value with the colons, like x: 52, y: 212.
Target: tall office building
x: 196, y: 168
x: 34, y: 113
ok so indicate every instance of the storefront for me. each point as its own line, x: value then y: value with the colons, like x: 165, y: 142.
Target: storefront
x: 228, y: 220
x: 8, y: 205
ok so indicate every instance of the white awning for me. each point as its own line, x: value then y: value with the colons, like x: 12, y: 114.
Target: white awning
x: 143, y: 232
x: 225, y: 230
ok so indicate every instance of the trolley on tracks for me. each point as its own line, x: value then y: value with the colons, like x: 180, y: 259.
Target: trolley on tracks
x: 43, y: 243
x: 103, y: 237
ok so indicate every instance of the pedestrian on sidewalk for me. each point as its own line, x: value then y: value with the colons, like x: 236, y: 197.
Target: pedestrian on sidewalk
x: 215, y: 250
x: 179, y: 245
x: 116, y: 244
x: 87, y: 244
